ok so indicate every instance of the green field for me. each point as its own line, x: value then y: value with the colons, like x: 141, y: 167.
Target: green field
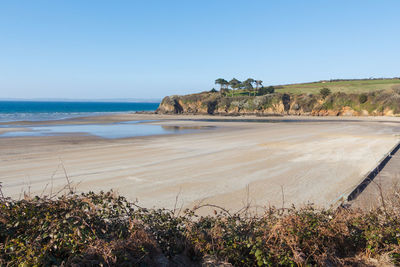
x: 350, y: 86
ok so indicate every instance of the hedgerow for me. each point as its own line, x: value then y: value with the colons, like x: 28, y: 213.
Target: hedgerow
x: 106, y: 229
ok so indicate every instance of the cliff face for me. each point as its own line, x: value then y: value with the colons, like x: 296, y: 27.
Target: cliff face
x: 337, y: 104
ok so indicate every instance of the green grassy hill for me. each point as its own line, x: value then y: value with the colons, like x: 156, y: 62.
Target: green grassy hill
x: 345, y: 86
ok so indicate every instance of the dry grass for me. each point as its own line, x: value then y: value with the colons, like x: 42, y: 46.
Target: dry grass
x: 105, y: 229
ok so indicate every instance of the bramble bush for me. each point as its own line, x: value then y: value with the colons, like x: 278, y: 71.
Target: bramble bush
x: 106, y: 229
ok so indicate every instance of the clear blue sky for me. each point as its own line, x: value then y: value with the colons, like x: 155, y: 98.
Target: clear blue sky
x: 149, y: 49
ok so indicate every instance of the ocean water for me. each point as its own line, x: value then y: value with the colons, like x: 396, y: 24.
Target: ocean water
x: 110, y: 131
x: 46, y: 110
x: 11, y: 111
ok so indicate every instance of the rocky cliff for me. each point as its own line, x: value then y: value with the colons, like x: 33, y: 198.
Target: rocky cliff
x: 338, y: 104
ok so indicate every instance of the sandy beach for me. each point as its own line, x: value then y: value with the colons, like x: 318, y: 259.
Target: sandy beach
x: 304, y: 160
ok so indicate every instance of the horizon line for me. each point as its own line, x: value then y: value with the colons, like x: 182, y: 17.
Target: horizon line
x: 132, y: 100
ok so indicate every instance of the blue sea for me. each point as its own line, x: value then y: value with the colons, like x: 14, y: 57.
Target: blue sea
x: 36, y: 111
x: 46, y: 110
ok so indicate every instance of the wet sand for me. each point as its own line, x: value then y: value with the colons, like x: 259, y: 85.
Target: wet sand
x: 317, y: 161
x: 10, y: 129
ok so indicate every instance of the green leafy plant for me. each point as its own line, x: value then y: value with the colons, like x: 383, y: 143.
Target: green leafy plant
x: 363, y: 98
x: 266, y: 90
x: 325, y: 92
x: 106, y: 229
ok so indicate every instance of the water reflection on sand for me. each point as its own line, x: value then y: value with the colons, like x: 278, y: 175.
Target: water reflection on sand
x: 113, y: 130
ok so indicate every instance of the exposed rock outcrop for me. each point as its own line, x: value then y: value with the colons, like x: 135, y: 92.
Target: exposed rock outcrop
x: 337, y: 104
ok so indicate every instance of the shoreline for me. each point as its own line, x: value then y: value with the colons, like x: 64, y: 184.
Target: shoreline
x: 166, y: 119
x: 127, y: 116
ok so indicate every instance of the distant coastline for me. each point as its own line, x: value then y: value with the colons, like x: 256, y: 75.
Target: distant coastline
x: 357, y: 97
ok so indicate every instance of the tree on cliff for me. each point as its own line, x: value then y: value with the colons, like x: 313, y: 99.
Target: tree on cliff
x: 234, y: 84
x: 248, y: 84
x: 258, y: 85
x: 222, y: 82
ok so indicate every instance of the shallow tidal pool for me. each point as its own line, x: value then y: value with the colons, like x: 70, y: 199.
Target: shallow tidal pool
x: 112, y: 131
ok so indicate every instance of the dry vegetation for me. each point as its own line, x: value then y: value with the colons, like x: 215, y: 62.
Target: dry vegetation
x: 374, y: 103
x: 105, y: 229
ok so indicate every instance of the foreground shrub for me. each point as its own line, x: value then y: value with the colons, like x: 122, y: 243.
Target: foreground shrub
x: 42, y: 231
x: 106, y: 229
